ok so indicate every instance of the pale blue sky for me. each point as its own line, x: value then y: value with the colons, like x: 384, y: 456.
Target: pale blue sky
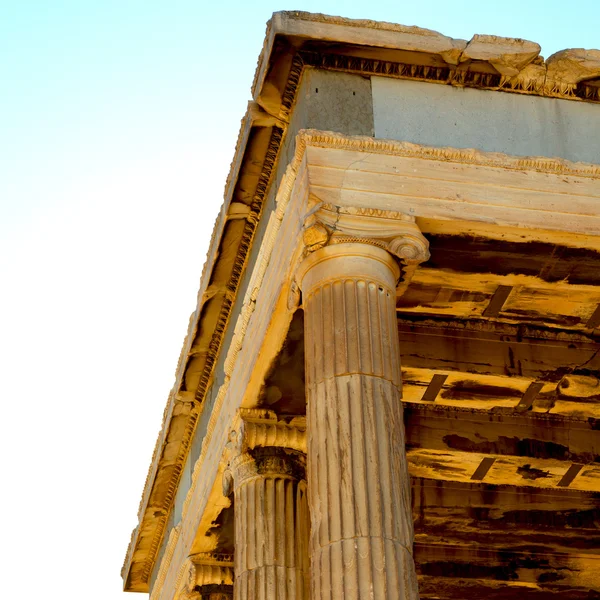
x: 118, y: 121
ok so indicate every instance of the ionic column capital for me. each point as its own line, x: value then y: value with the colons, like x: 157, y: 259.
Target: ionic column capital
x: 268, y: 462
x: 395, y: 232
x: 260, y: 440
x: 210, y: 568
x: 207, y: 569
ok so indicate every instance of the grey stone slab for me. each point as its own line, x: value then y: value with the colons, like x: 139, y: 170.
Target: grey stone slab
x: 333, y: 101
x: 442, y: 115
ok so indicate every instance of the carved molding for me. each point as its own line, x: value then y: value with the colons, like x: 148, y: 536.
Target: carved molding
x: 272, y: 462
x: 202, y: 571
x: 210, y: 568
x: 168, y: 556
x: 330, y: 139
x: 187, y: 595
x: 534, y: 78
x: 216, y: 592
x: 518, y: 65
x: 259, y: 429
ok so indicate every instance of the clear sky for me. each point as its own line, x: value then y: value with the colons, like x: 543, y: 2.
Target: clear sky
x: 118, y: 121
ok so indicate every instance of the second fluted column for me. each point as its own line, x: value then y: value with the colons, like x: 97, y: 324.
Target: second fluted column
x: 271, y: 525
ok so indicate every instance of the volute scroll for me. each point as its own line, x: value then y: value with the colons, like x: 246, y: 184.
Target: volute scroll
x: 395, y: 232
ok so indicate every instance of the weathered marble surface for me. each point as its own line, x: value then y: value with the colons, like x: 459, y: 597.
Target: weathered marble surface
x: 181, y: 494
x: 359, y: 491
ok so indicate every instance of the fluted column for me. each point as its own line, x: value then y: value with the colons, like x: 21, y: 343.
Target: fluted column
x: 271, y: 525
x: 358, y: 483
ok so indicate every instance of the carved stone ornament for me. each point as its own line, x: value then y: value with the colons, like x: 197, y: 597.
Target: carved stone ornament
x: 268, y: 462
x: 210, y: 568
x: 507, y: 55
x: 206, y: 571
x: 190, y: 595
x: 395, y: 232
x: 260, y: 428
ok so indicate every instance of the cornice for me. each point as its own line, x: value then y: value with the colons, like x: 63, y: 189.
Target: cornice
x: 537, y: 79
x: 160, y: 517
x: 283, y: 198
x: 364, y: 47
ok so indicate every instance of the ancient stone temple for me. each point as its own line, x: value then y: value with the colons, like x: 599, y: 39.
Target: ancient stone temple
x: 390, y: 387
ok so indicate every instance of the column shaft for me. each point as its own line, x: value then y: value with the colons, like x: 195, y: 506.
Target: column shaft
x: 271, y: 526
x: 358, y: 485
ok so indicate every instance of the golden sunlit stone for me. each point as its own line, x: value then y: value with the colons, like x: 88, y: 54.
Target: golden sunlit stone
x: 389, y: 388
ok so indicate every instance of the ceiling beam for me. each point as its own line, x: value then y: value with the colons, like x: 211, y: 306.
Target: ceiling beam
x: 460, y: 466
x: 527, y: 435
x: 493, y: 348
